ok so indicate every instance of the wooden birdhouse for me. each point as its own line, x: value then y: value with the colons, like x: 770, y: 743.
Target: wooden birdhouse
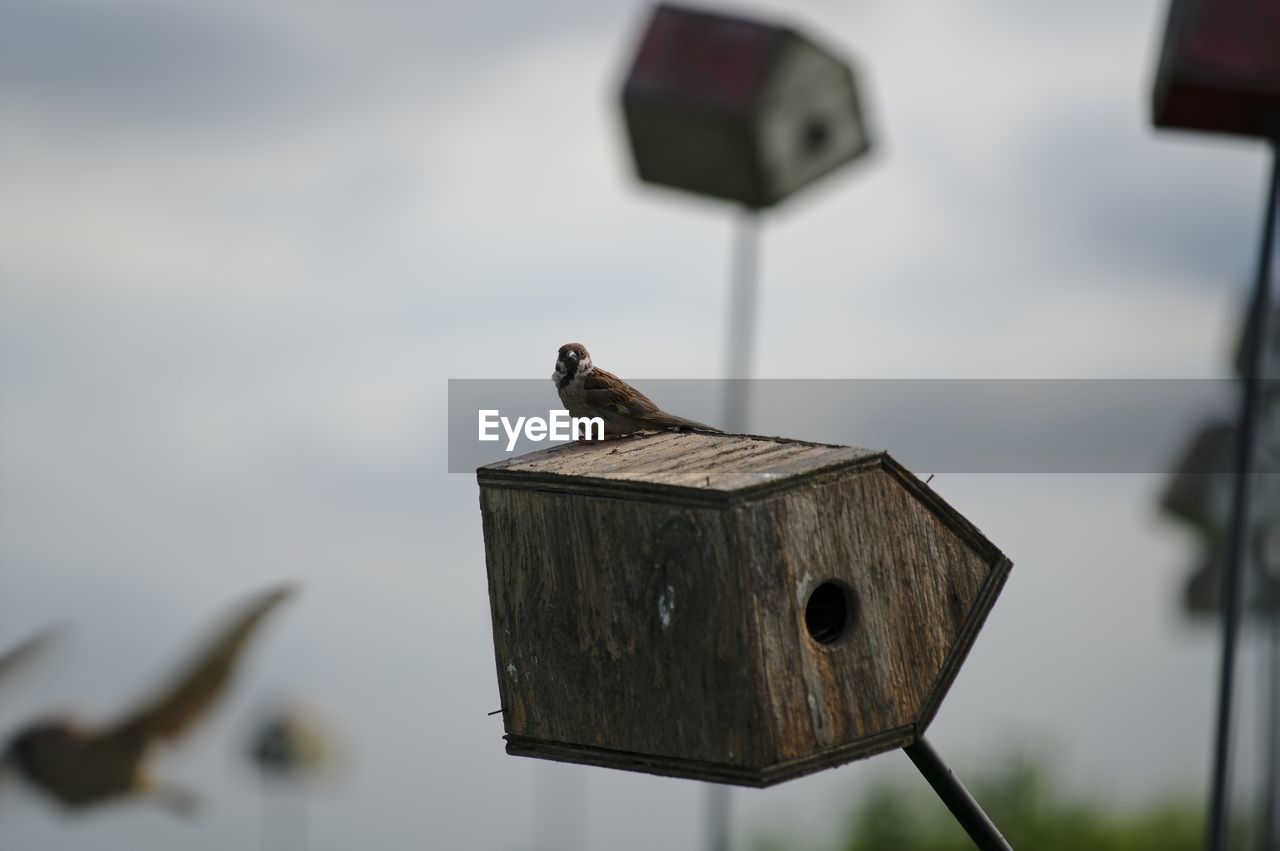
x: 722, y: 607
x: 1220, y: 68
x: 738, y: 109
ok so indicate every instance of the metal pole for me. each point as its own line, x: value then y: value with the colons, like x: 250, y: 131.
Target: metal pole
x: 1237, y: 537
x: 742, y: 319
x: 1270, y: 837
x: 560, y: 807
x: 717, y: 817
x: 975, y: 822
x: 743, y: 286
x: 283, y: 826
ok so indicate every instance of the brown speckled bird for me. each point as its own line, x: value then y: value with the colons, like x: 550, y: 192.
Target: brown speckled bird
x: 79, y: 766
x: 586, y: 390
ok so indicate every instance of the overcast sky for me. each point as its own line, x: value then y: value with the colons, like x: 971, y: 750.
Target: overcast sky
x: 243, y: 246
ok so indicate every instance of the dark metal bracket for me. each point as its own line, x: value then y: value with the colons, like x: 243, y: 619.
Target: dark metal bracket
x: 962, y: 805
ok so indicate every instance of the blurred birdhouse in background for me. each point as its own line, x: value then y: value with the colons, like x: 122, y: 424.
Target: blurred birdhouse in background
x: 738, y: 109
x: 736, y: 609
x: 1220, y: 67
x: 291, y: 744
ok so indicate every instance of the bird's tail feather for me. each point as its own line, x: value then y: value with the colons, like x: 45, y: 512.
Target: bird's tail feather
x: 671, y: 421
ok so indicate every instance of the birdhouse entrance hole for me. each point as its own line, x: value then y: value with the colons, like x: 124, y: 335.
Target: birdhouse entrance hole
x: 816, y: 134
x: 829, y: 612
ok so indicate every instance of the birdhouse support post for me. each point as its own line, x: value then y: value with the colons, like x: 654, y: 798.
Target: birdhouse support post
x: 1238, y: 532
x: 743, y: 297
x: 1219, y: 72
x: 962, y: 805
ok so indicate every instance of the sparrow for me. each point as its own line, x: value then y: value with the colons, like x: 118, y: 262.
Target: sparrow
x: 589, y: 391
x: 79, y: 766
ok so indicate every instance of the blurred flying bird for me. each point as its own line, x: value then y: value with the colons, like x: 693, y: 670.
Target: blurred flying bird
x: 589, y: 391
x: 80, y: 766
x: 13, y: 660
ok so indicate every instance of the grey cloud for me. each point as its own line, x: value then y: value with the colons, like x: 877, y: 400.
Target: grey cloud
x: 161, y: 66
x: 165, y: 67
x: 1128, y: 198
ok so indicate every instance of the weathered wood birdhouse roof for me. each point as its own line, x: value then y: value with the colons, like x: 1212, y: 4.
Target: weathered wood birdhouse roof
x: 725, y: 607
x: 690, y: 466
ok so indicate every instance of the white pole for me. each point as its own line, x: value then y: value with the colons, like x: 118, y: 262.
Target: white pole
x: 742, y: 320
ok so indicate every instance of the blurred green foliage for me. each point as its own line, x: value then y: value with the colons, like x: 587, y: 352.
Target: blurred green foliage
x: 1029, y: 807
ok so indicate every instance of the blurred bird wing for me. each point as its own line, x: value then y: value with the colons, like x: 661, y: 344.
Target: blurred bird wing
x: 17, y: 657
x: 606, y: 390
x: 194, y: 692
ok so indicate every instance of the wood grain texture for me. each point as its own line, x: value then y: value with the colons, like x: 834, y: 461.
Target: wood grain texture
x: 688, y: 466
x: 615, y: 627
x: 913, y: 583
x: 648, y: 600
